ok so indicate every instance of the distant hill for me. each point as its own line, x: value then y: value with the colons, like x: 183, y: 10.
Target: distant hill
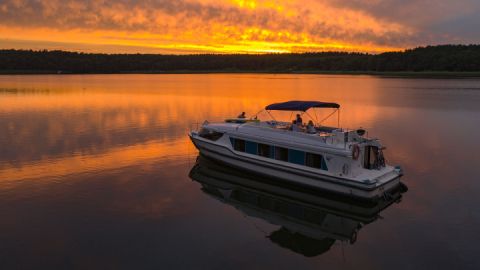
x: 444, y: 58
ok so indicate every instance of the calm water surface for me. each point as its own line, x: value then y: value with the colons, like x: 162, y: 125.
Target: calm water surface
x: 94, y: 173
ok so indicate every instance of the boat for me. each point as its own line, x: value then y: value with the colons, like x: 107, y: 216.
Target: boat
x: 309, y: 222
x: 339, y: 160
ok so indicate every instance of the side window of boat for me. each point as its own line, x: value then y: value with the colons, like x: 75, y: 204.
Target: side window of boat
x: 315, y: 161
x: 238, y: 145
x: 281, y: 153
x: 251, y: 147
x: 265, y: 150
x: 209, y: 134
x: 296, y: 157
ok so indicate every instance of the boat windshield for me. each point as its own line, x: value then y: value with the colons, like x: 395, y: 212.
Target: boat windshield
x: 209, y: 134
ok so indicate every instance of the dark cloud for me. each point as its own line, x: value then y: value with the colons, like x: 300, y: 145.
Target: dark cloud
x: 121, y: 14
x: 392, y: 22
x: 435, y: 21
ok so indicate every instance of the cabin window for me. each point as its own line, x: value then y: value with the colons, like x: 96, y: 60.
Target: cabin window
x: 281, y: 153
x: 209, y: 134
x: 251, y: 147
x: 265, y: 150
x: 315, y: 161
x: 296, y: 157
x: 239, y: 145
x: 373, y: 158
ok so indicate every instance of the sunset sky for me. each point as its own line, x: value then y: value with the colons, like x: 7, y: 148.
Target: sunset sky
x: 236, y: 26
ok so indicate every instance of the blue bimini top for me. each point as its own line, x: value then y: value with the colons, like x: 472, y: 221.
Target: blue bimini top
x: 296, y: 105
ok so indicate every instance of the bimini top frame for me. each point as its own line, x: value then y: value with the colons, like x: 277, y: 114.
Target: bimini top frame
x: 304, y: 106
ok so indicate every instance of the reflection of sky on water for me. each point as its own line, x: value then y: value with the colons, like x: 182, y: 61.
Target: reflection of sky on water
x: 94, y: 168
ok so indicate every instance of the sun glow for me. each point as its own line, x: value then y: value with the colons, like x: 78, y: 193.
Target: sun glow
x: 201, y: 26
x: 251, y: 41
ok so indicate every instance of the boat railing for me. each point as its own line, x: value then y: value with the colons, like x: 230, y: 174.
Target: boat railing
x: 194, y: 126
x: 329, y: 135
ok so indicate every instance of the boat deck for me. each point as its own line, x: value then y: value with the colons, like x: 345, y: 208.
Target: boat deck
x: 330, y: 137
x: 279, y: 125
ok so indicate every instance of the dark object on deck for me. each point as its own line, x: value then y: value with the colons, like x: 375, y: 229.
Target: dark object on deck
x: 361, y: 132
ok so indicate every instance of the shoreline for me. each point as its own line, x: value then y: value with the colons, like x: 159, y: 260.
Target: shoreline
x: 395, y: 74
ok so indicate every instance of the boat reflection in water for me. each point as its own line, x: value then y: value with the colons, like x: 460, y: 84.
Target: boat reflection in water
x: 311, y: 222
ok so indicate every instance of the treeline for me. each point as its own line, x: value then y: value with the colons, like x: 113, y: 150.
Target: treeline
x: 452, y: 58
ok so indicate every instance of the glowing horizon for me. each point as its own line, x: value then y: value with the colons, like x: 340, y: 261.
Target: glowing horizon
x: 233, y: 26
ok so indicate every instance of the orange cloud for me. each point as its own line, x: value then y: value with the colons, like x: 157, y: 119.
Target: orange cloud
x: 186, y: 26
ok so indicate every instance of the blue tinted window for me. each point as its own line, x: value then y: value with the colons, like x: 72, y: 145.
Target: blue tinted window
x: 297, y: 157
x: 324, y: 164
x: 251, y: 147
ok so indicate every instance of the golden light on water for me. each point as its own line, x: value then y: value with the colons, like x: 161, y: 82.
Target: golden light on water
x: 152, y: 113
x: 115, y: 158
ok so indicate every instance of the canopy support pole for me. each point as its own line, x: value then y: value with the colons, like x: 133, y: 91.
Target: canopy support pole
x: 328, y: 116
x: 271, y: 115
x: 338, y: 118
x: 309, y: 116
x: 256, y: 115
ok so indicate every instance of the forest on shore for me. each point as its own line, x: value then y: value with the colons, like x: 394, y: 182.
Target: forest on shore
x: 443, y: 58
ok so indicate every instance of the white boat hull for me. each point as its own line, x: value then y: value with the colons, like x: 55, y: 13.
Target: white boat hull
x: 306, y: 178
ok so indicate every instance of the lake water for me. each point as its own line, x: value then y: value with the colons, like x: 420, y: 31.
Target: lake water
x: 94, y: 174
